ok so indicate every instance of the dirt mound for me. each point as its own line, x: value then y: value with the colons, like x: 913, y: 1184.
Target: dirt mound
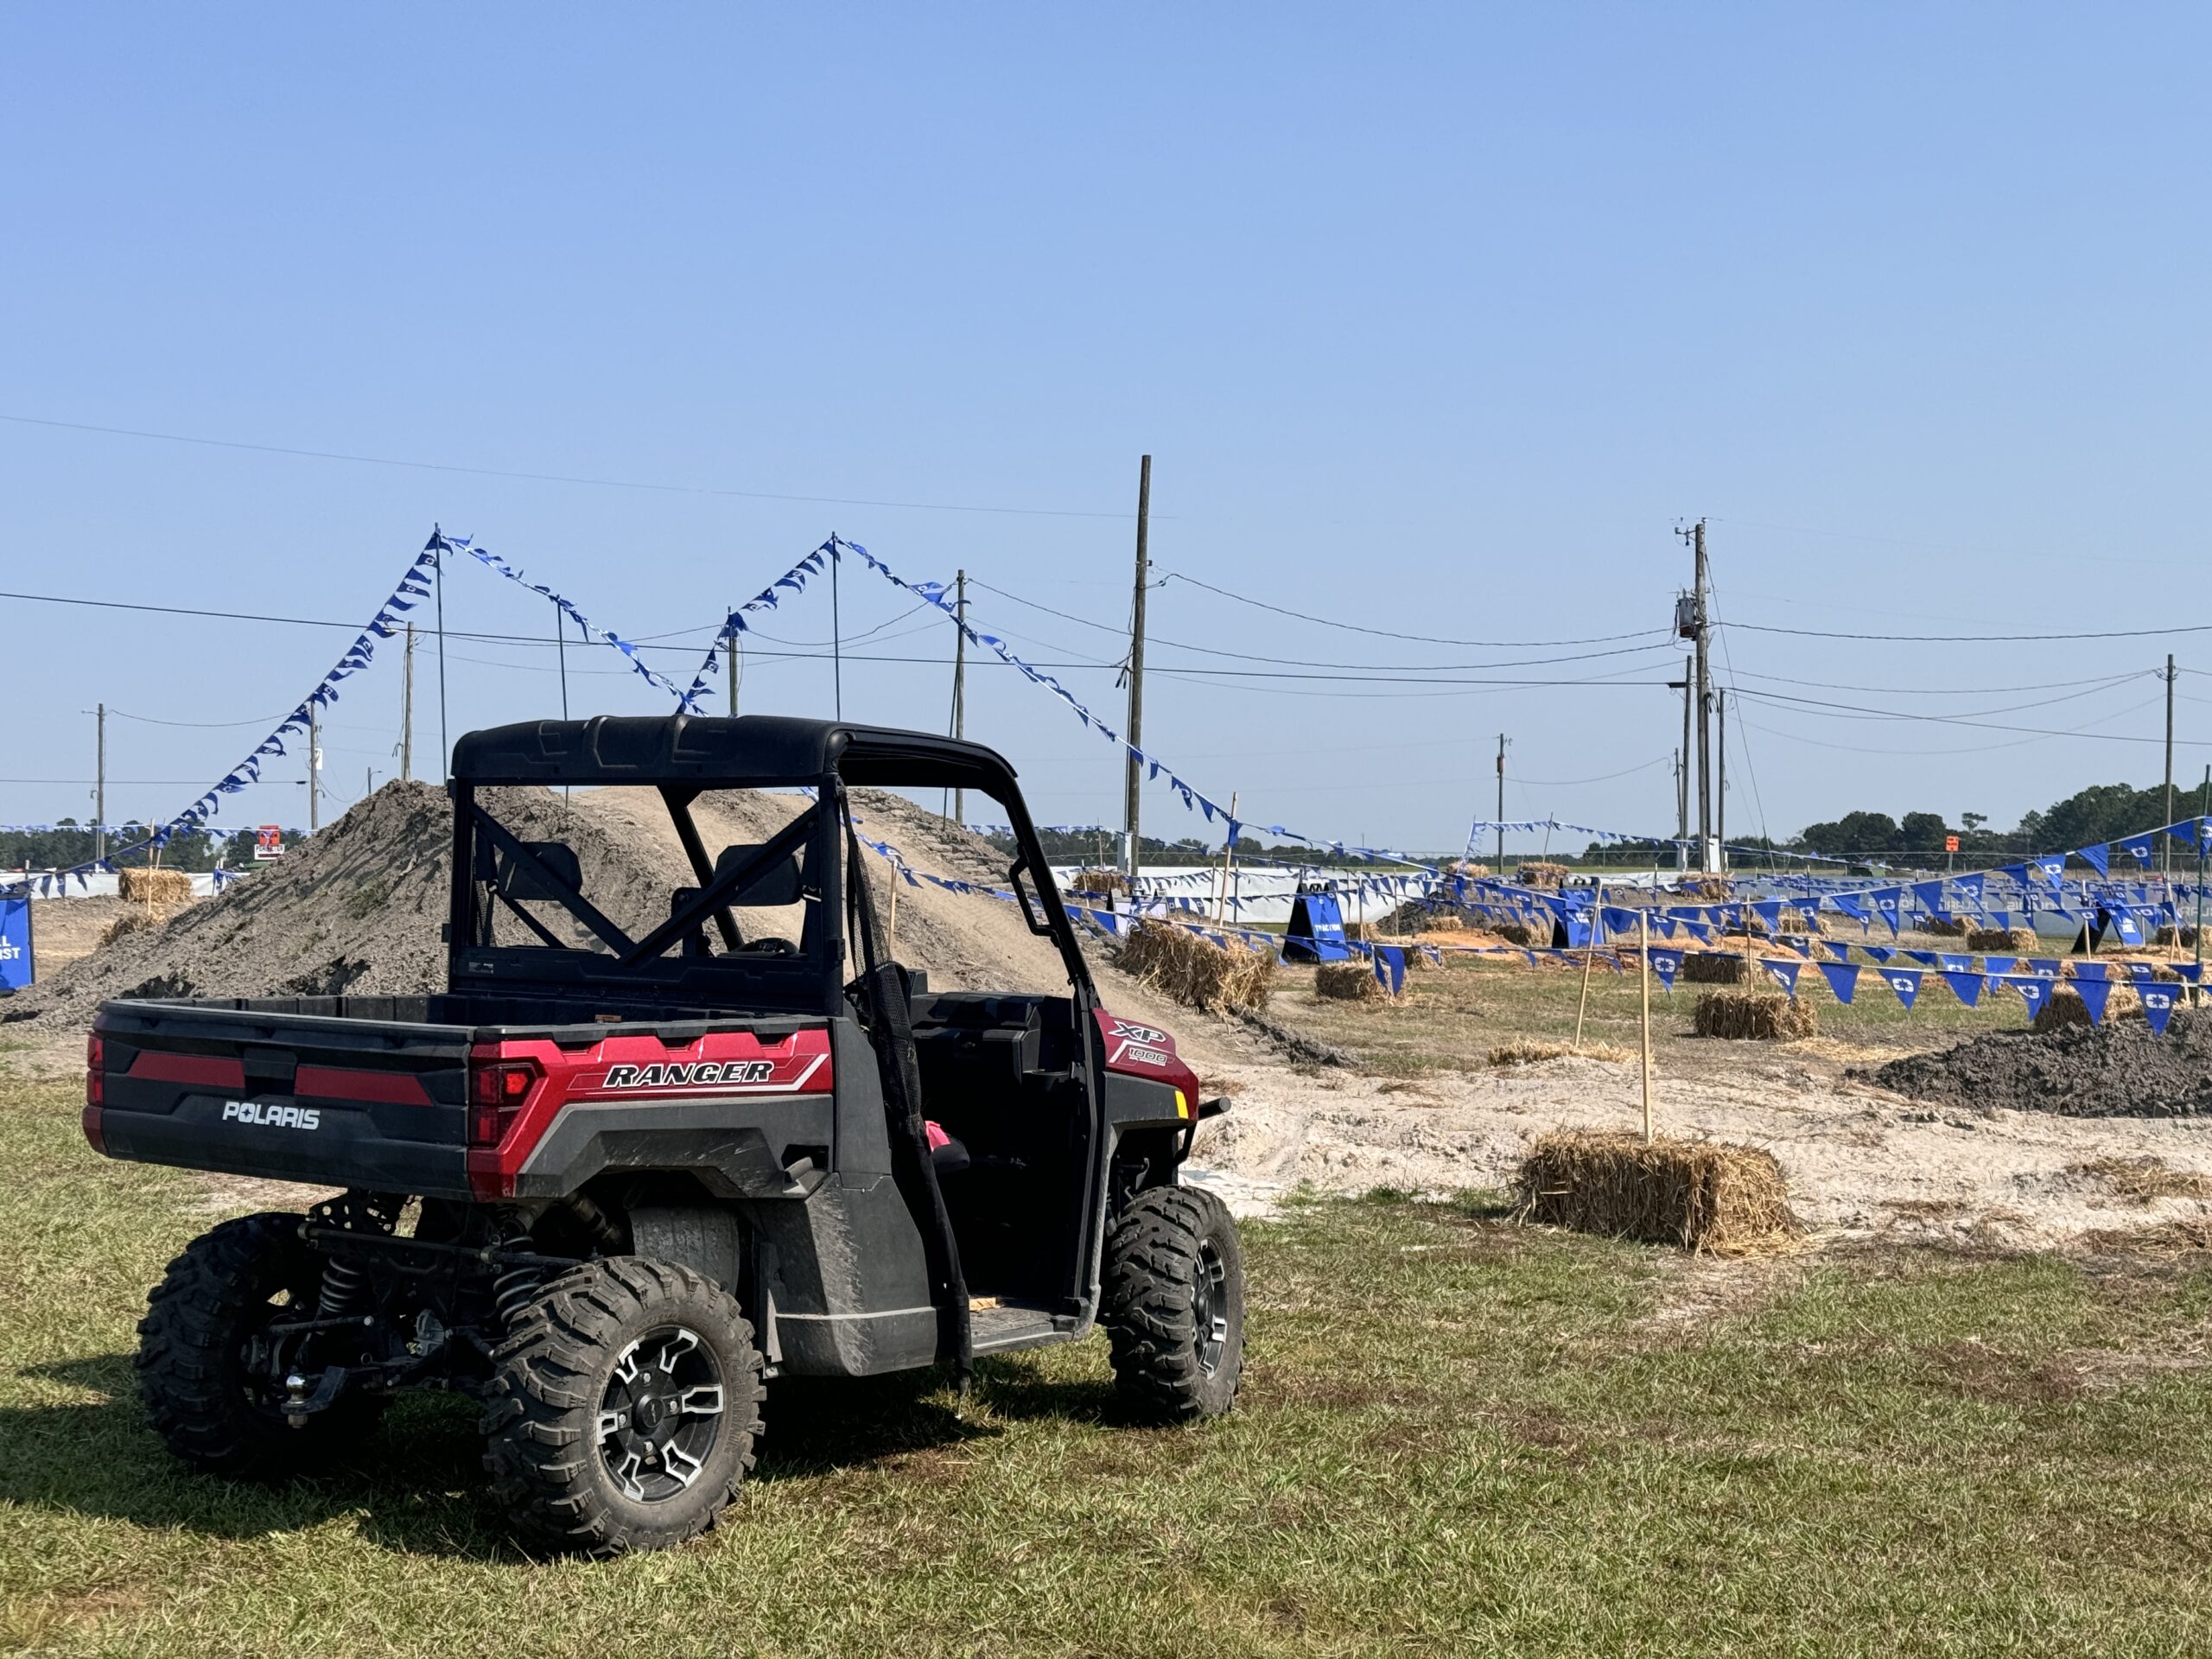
x: 359, y: 908
x: 2120, y: 1069
x: 356, y: 908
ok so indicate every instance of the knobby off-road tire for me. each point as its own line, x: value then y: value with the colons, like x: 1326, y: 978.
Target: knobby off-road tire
x: 1173, y: 1304
x: 600, y: 1439
x: 191, y: 1373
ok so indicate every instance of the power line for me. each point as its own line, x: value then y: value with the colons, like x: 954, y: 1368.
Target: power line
x: 547, y: 478
x: 1420, y: 638
x: 1973, y: 639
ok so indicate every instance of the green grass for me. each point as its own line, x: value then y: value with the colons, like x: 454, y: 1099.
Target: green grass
x: 1456, y: 1436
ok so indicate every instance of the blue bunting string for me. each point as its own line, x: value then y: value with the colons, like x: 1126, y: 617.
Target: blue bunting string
x: 793, y: 580
x: 492, y: 561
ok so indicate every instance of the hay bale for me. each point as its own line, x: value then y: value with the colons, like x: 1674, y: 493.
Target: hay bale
x: 1542, y: 873
x: 1708, y: 887
x: 1348, y: 981
x: 1802, y: 921
x: 1947, y: 927
x: 1700, y: 1195
x: 1468, y: 868
x: 1714, y: 968
x: 1178, y: 963
x: 149, y: 887
x: 2004, y: 941
x: 133, y: 920
x: 2064, y: 1008
x: 1518, y: 933
x: 1754, y: 1016
x: 2170, y: 935
x: 1443, y: 922
x: 1108, y: 884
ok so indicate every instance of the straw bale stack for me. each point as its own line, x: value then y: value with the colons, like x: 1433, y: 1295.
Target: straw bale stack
x: 1348, y: 981
x: 1711, y: 887
x: 2168, y: 933
x: 1542, y: 873
x: 2064, y: 1008
x: 1802, y: 921
x: 1700, y: 1195
x: 1754, y: 1016
x: 1715, y: 968
x: 150, y: 886
x: 1179, y: 964
x: 2006, y: 941
x: 1518, y: 933
x: 1112, y: 884
x: 1947, y: 927
x: 136, y: 919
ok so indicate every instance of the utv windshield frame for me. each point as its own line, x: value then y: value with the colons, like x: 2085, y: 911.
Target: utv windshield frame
x: 683, y: 757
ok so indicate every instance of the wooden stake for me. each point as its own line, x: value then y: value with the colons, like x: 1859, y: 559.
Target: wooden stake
x: 1643, y: 975
x: 1228, y: 854
x: 1589, y: 955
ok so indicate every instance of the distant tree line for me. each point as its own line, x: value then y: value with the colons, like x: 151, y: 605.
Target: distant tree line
x: 69, y: 844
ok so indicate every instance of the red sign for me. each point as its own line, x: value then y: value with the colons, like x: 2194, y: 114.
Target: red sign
x: 1950, y: 843
x: 269, y: 841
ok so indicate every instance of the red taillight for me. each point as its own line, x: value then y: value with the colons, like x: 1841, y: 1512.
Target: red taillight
x: 498, y: 1090
x: 95, y: 1091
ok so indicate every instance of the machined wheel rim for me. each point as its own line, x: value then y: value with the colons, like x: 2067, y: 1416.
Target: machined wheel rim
x: 660, y: 1414
x: 1209, y: 1307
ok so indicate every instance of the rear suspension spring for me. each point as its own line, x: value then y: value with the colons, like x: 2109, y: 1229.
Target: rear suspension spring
x: 344, y: 1285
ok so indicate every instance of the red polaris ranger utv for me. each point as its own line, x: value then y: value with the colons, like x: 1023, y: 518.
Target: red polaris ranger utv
x: 608, y: 1183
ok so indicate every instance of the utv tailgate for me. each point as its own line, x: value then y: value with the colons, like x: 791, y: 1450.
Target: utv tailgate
x: 320, y: 1100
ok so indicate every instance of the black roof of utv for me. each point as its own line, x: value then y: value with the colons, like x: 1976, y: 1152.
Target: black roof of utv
x: 710, y: 751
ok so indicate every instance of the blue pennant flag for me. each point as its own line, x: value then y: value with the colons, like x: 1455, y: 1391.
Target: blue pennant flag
x: 2000, y: 919
x: 1886, y: 900
x: 2091, y: 970
x: 2142, y: 972
x: 1953, y: 963
x: 2190, y: 971
x: 2050, y: 865
x: 2158, y: 1005
x: 2095, y: 994
x: 1842, y: 978
x: 1969, y: 888
x: 2098, y: 858
x: 1784, y: 971
x: 1849, y: 904
x: 1769, y: 912
x: 2016, y: 874
x: 2043, y: 967
x: 1667, y: 964
x: 2034, y: 990
x: 2138, y: 848
x: 1925, y: 958
x: 1879, y: 952
x: 2200, y: 828
x: 1930, y: 895
x: 1966, y: 986
x: 1905, y: 981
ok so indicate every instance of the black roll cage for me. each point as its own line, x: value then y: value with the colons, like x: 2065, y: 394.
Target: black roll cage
x: 683, y: 757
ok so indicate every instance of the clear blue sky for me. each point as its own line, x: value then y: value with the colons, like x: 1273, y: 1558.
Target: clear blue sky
x: 1435, y: 319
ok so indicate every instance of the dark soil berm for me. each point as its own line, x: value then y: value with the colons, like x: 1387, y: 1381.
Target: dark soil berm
x: 2120, y: 1069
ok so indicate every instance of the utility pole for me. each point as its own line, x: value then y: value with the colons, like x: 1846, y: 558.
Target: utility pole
x: 1692, y: 622
x: 836, y: 637
x: 407, y: 707
x: 1129, y: 826
x: 1688, y: 686
x: 729, y: 662
x: 314, y: 768
x: 99, y: 782
x: 2166, y: 856
x: 960, y: 680
x: 1502, y: 740
x: 1720, y: 794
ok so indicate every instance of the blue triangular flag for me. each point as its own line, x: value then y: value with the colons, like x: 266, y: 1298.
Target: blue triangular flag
x: 1667, y: 964
x: 2158, y: 1005
x: 2095, y: 994
x: 2034, y: 990
x: 1966, y: 986
x: 1905, y: 981
x: 1930, y: 894
x: 2138, y: 848
x: 1784, y: 971
x: 1842, y: 978
x: 1885, y: 901
x: 2098, y: 858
